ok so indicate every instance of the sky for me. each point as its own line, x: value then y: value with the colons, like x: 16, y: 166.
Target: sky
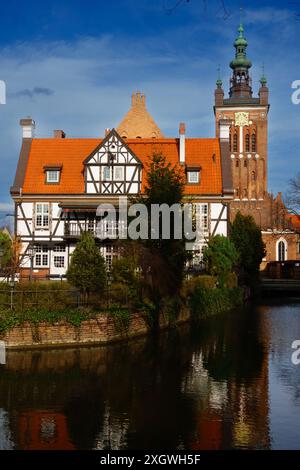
x: 73, y: 65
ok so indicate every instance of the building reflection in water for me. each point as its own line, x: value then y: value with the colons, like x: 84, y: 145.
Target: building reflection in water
x: 43, y: 430
x: 198, y: 388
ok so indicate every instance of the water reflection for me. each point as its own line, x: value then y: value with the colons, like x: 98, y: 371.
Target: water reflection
x: 205, y: 387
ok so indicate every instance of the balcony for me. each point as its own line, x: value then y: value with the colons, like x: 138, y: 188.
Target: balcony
x: 99, y: 229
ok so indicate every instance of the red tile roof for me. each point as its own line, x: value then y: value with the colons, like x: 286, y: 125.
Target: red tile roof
x: 71, y: 153
x: 295, y: 221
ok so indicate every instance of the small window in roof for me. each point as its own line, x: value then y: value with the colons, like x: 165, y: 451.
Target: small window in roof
x: 193, y: 176
x: 52, y: 176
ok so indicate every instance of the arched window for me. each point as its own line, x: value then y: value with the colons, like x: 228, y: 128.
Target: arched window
x: 245, y: 163
x: 247, y: 142
x: 253, y: 176
x: 235, y: 142
x: 253, y: 143
x: 237, y: 163
x: 245, y: 192
x: 281, y: 250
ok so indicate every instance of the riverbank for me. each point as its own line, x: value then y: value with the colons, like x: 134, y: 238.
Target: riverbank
x: 42, y: 329
x: 102, y: 329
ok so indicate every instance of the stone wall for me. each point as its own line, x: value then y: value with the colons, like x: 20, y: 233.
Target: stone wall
x: 102, y: 329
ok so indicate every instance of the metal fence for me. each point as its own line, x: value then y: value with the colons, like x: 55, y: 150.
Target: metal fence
x: 57, y: 299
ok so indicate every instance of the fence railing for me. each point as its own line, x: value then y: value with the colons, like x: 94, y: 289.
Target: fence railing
x: 60, y: 299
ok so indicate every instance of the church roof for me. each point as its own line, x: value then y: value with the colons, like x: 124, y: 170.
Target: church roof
x: 138, y: 123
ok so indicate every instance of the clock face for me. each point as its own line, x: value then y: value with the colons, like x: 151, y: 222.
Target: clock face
x: 242, y: 119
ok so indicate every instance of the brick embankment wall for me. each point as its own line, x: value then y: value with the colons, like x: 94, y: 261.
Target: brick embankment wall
x: 102, y: 329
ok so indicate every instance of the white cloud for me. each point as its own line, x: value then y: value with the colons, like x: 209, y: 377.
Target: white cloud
x: 91, y: 81
x: 6, y: 206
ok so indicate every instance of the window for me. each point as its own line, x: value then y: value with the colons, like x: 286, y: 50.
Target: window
x: 193, y: 176
x: 41, y: 256
x: 108, y: 261
x: 42, y: 215
x: 281, y: 251
x: 59, y: 249
x: 237, y: 163
x: 253, y: 176
x: 204, y: 216
x: 59, y: 261
x: 200, y: 215
x: 235, y: 142
x: 106, y: 174
x: 247, y: 142
x: 52, y: 176
x: 118, y: 173
x: 245, y: 163
x: 253, y: 143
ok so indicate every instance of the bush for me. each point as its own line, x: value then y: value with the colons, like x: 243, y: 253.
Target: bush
x: 121, y: 318
x: 10, y: 319
x: 232, y: 281
x: 190, y: 285
x: 208, y: 302
x: 87, y: 269
x: 220, y: 257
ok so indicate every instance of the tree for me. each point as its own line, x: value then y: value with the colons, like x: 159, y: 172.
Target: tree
x: 6, y: 249
x: 246, y: 236
x: 163, y: 260
x: 87, y: 269
x: 220, y: 257
x: 293, y: 197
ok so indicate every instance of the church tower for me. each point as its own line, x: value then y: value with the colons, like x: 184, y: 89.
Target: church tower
x: 248, y: 116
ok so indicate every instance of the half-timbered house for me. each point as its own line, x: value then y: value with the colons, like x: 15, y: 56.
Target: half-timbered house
x: 61, y: 181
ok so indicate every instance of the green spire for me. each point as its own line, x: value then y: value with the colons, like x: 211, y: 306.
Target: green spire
x: 263, y: 79
x: 240, y: 44
x: 219, y: 82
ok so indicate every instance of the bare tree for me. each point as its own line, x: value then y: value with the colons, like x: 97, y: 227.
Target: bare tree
x: 292, y: 198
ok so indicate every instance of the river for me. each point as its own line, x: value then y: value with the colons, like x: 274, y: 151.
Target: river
x: 227, y: 383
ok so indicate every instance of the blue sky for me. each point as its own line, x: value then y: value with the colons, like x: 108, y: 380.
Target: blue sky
x: 73, y: 65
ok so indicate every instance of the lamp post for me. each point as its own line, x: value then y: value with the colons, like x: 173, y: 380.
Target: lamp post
x: 31, y: 254
x: 12, y: 286
x: 1, y: 256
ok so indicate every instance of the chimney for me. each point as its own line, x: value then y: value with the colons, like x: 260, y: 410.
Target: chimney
x: 28, y: 126
x: 107, y: 131
x: 182, y: 143
x: 138, y: 100
x: 58, y: 134
x: 224, y: 129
